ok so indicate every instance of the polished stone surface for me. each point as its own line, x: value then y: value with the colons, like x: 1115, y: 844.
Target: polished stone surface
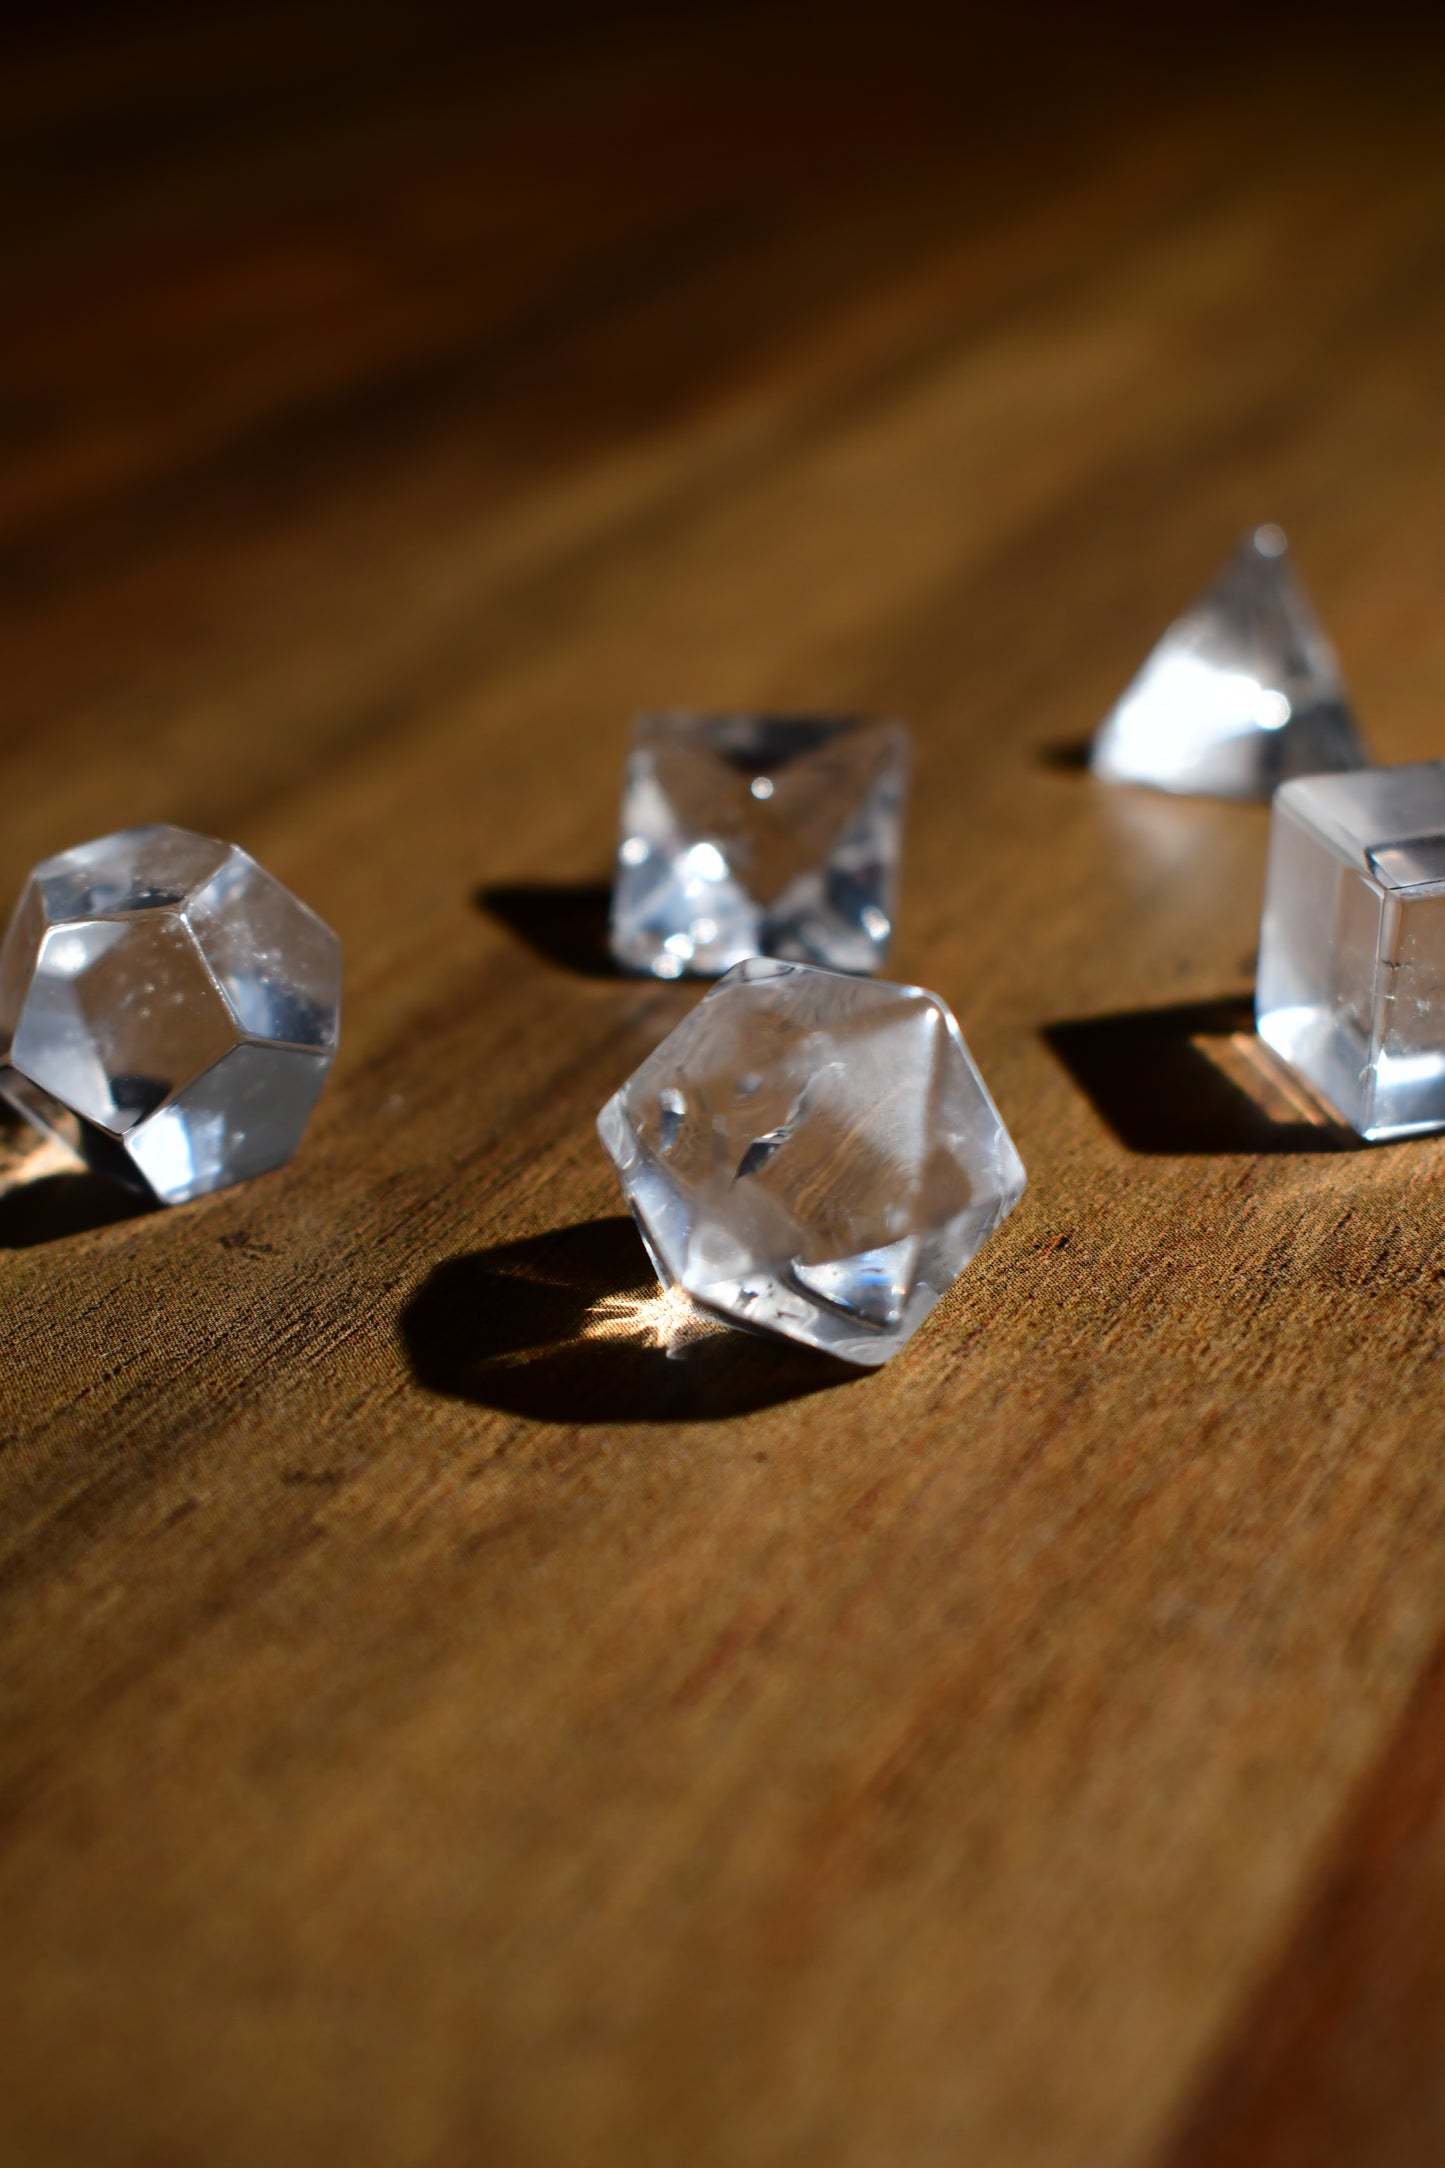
x: 1351, y: 983
x: 167, y: 1009
x: 815, y: 1155
x: 1242, y: 692
x: 752, y: 835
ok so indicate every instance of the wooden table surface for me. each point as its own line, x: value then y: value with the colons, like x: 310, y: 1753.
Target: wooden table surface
x: 435, y: 1726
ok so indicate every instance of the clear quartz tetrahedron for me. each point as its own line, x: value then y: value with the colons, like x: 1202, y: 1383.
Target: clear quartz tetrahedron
x: 168, y: 1009
x: 813, y: 1155
x: 747, y: 835
x: 1242, y: 692
x: 1351, y: 983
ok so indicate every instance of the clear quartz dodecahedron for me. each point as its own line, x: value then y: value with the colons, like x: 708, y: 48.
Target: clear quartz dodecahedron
x: 1242, y: 692
x: 1351, y: 982
x: 813, y: 1155
x: 752, y: 835
x: 167, y: 1009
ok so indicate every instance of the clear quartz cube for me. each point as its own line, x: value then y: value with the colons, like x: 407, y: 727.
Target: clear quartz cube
x: 752, y: 835
x: 813, y: 1155
x: 167, y: 1009
x: 1241, y: 692
x: 1351, y: 986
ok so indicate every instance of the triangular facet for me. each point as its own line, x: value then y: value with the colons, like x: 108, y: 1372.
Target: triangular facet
x: 873, y: 1286
x: 1242, y: 692
x: 747, y: 835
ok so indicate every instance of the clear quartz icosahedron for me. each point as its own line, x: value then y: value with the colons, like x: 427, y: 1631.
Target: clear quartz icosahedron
x: 167, y: 1009
x: 749, y: 835
x: 813, y: 1155
x: 1351, y: 980
x: 1242, y: 692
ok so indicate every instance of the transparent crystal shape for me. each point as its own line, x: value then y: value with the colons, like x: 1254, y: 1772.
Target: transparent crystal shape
x: 168, y: 1009
x: 1351, y: 984
x: 1242, y: 692
x: 749, y: 835
x: 813, y: 1155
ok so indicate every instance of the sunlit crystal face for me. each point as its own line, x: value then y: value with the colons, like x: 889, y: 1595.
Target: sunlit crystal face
x: 758, y: 835
x: 167, y: 1008
x: 119, y: 1012
x: 1241, y: 692
x: 815, y: 1155
x: 1351, y: 988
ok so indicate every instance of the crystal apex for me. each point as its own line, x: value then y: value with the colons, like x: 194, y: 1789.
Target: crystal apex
x: 1242, y: 691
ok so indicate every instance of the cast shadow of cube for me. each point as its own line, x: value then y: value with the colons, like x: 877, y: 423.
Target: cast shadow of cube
x: 1194, y: 1079
x: 572, y: 1327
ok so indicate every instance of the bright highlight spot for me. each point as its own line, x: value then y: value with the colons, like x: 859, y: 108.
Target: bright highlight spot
x: 705, y: 862
x: 66, y: 958
x: 665, y: 1318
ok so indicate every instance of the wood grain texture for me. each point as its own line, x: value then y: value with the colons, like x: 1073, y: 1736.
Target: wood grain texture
x: 436, y: 1728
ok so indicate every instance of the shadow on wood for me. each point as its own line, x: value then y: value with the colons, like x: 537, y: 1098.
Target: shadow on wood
x: 563, y: 922
x: 1195, y: 1078
x: 571, y: 1327
x: 54, y: 1206
x: 1069, y: 758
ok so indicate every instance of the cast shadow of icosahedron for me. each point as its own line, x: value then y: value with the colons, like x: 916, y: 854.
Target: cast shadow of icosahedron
x: 1194, y: 1079
x: 572, y: 1327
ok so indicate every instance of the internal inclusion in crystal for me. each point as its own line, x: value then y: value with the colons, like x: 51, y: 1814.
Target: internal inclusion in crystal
x: 813, y: 1155
x: 1242, y: 692
x: 745, y: 835
x: 1351, y: 984
x: 167, y: 1009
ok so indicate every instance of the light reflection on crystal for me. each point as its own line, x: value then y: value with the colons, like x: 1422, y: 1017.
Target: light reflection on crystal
x: 1241, y: 692
x: 813, y: 1155
x: 1351, y: 986
x: 750, y: 835
x: 167, y: 1010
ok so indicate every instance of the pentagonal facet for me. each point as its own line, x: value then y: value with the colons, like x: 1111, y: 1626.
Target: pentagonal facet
x: 749, y: 835
x: 167, y: 1009
x: 120, y: 1012
x: 137, y: 869
x: 1241, y: 692
x: 277, y: 963
x: 813, y: 1154
x: 243, y: 1117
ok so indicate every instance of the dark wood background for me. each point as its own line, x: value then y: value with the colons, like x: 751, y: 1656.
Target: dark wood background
x: 435, y: 1727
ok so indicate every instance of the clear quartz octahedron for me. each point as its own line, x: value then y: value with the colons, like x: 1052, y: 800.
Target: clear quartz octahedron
x: 813, y: 1155
x: 749, y: 835
x: 1351, y: 984
x: 167, y: 1009
x: 1242, y: 691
